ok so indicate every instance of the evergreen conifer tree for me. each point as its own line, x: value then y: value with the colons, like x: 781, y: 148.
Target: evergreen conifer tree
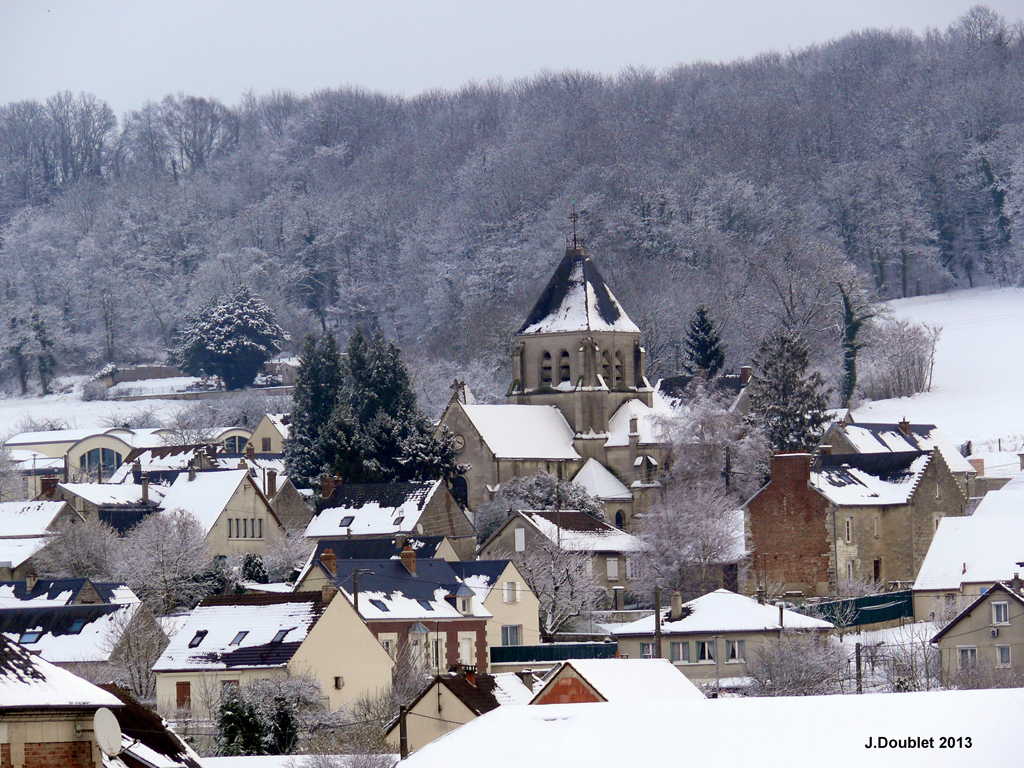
x: 785, y: 402
x: 284, y: 731
x: 315, y: 397
x: 239, y: 728
x: 704, y: 353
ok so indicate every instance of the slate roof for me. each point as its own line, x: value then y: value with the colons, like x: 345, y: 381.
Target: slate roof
x: 375, y: 509
x: 600, y: 483
x: 580, y: 531
x: 29, y: 682
x: 59, y: 592
x: 997, y: 588
x: 145, y: 735
x: 524, y: 431
x: 577, y: 299
x: 378, y: 547
x: 881, y: 438
x: 869, y: 478
x: 483, y: 574
x: 29, y: 518
x: 972, y: 550
x: 62, y: 640
x: 674, y: 387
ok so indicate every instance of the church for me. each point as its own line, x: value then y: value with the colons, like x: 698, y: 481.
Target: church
x: 580, y: 406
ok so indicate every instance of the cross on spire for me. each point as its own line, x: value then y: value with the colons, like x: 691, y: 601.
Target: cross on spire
x: 574, y: 217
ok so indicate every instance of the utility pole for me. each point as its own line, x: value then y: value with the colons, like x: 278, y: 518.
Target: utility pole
x: 718, y: 679
x: 657, y: 622
x: 403, y: 733
x: 860, y: 677
x: 355, y: 586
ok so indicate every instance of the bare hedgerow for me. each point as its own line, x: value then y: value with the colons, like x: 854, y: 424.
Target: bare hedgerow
x: 898, y: 359
x: 798, y: 664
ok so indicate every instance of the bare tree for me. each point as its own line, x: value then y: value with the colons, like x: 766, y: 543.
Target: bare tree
x: 899, y: 358
x: 80, y: 549
x: 163, y: 560
x: 798, y: 664
x: 135, y: 642
x: 687, y: 539
x: 287, y: 553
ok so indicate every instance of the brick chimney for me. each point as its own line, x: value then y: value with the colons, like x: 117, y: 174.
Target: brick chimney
x: 191, y: 472
x: 271, y: 483
x: 329, y: 560
x: 471, y: 676
x: 746, y: 371
x: 250, y: 451
x: 327, y: 593
x: 144, y: 482
x: 905, y: 426
x: 528, y: 679
x: 791, y: 468
x: 48, y: 486
x: 979, y: 465
x: 825, y: 450
x: 326, y: 486
x: 409, y: 559
x: 676, y: 611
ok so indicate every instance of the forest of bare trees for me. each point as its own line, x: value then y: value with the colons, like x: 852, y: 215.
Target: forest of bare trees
x: 883, y: 160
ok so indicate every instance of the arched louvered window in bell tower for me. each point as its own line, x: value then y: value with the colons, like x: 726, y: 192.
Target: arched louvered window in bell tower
x: 563, y: 367
x: 545, y: 369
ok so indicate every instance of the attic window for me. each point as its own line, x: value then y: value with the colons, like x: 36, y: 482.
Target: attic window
x: 76, y: 626
x: 398, y: 520
x: 346, y: 521
x: 30, y: 637
x: 199, y: 637
x: 279, y: 637
x: 425, y: 605
x: 239, y: 637
x: 379, y: 604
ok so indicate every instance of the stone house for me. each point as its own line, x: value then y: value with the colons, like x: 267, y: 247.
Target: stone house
x: 579, y: 392
x: 987, y: 636
x: 269, y: 436
x: 713, y: 636
x: 234, y: 640
x: 609, y: 549
x: 825, y: 521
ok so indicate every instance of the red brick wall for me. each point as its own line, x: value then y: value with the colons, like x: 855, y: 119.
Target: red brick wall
x: 67, y: 754
x: 789, y: 526
x: 5, y: 756
x: 568, y: 690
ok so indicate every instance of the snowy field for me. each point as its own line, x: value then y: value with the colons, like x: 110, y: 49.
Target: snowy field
x: 979, y: 369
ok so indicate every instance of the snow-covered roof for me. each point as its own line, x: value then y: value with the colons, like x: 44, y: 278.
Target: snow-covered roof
x: 240, y: 632
x: 648, y: 421
x: 27, y: 681
x: 890, y: 438
x: 20, y: 519
x: 741, y: 731
x: 281, y: 422
x: 17, y: 551
x: 524, y: 431
x: 137, y: 438
x: 26, y: 460
x: 373, y: 509
x: 68, y: 633
x: 293, y: 761
x: 869, y: 479
x: 580, y: 532
x: 1008, y: 500
x: 480, y: 575
x: 600, y: 483
x: 969, y: 550
x: 146, y: 739
x: 108, y: 494
x: 723, y: 611
x: 631, y: 679
x: 46, y: 592
x: 577, y: 299
x: 509, y: 688
x: 204, y: 496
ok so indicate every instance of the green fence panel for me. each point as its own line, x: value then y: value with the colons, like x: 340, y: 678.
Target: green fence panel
x: 523, y: 654
x: 870, y: 609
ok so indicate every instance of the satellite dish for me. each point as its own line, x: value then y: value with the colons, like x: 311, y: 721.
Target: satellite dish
x: 107, y: 731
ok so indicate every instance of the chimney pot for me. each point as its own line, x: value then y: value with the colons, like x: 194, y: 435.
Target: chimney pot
x: 527, y: 677
x: 145, y: 488
x: 905, y: 426
x: 327, y: 593
x: 979, y: 465
x: 782, y: 622
x: 633, y: 424
x: 676, y: 610
x: 329, y: 561
x: 471, y: 676
x: 326, y: 486
x: 250, y: 451
x: 409, y: 559
x: 48, y: 486
x: 271, y: 483
x: 191, y: 473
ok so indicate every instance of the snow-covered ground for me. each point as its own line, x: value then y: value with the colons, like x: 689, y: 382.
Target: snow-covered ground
x: 154, y: 386
x: 979, y: 367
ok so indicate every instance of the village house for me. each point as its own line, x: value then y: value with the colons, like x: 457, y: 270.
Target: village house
x: 25, y: 528
x: 146, y: 740
x: 120, y: 506
x: 713, y: 637
x: 986, y: 637
x: 385, y: 547
x: 582, y: 681
x: 504, y: 593
x: 387, y: 509
x: 234, y: 640
x: 410, y: 605
x: 609, y: 549
x: 579, y: 392
x: 453, y: 699
x: 822, y: 522
x: 269, y: 436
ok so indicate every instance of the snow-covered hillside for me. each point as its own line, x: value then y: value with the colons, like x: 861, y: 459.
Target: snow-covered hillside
x: 979, y: 369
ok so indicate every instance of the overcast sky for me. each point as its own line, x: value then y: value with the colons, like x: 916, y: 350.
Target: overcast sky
x: 131, y: 51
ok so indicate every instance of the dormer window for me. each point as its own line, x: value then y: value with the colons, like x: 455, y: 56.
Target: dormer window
x: 346, y: 521
x: 237, y: 640
x: 198, y: 638
x: 465, y: 605
x: 281, y: 633
x: 399, y: 520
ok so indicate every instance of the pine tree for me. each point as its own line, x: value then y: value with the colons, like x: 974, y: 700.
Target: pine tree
x: 232, y: 339
x: 704, y: 351
x: 239, y: 728
x: 785, y: 402
x: 284, y: 730
x: 253, y: 569
x: 315, y: 397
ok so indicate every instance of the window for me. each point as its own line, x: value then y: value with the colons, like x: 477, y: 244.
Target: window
x: 512, y: 634
x: 32, y: 636
x: 705, y: 650
x: 100, y: 462
x: 968, y: 657
x: 265, y: 445
x: 389, y: 646
x: 633, y: 569
x: 563, y: 367
x: 425, y: 605
x: 234, y: 444
x: 510, y: 592
x: 735, y: 650
x: 346, y: 521
x: 183, y: 695
x: 465, y: 605
x: 620, y: 520
x: 76, y: 626
x: 1003, y: 656
x: 646, y: 650
x: 239, y: 637
x: 339, y: 682
x: 1000, y: 613
x: 197, y: 638
x: 545, y: 369
x: 399, y: 520
x: 849, y: 530
x: 379, y: 605
x: 259, y: 527
x: 281, y: 634
x: 245, y: 528
x: 849, y: 570
x: 606, y: 368
x: 876, y: 527
x: 520, y: 534
x: 679, y: 652
x: 466, y: 650
x: 619, y: 370
x: 231, y: 528
x: 612, y: 564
